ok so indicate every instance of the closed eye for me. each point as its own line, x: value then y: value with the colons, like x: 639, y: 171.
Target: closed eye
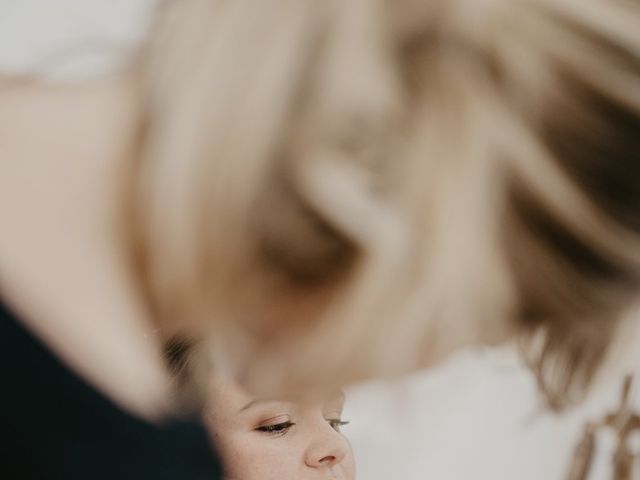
x: 336, y: 423
x: 276, y: 429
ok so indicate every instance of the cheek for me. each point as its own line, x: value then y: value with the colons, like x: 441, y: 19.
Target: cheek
x: 250, y: 457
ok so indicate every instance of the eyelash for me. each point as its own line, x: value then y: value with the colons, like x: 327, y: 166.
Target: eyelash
x: 276, y: 429
x: 336, y: 423
x: 283, y: 427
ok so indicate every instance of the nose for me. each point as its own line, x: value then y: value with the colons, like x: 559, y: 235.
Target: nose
x: 328, y: 448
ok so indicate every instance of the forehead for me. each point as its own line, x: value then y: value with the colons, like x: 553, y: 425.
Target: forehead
x: 226, y: 397
x: 229, y: 398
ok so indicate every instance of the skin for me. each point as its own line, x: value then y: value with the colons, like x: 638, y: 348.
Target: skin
x: 64, y: 263
x: 278, y: 440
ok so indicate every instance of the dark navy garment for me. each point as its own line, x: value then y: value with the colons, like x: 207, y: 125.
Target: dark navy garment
x: 53, y: 425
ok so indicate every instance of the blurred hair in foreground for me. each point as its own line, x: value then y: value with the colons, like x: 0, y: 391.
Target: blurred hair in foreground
x: 387, y: 180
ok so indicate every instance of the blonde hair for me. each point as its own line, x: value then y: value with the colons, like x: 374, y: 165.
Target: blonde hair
x: 365, y: 185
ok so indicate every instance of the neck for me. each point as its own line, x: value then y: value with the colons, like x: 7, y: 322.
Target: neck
x: 63, y: 261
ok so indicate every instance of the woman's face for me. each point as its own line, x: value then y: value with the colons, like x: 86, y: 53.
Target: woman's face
x: 279, y: 440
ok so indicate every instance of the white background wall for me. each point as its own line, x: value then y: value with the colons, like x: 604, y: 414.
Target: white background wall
x: 478, y: 416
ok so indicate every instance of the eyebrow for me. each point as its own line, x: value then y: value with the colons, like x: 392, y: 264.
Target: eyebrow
x: 339, y: 398
x: 249, y: 405
x: 257, y: 401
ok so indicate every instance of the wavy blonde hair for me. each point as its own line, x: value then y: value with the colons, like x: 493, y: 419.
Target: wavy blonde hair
x: 352, y: 188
